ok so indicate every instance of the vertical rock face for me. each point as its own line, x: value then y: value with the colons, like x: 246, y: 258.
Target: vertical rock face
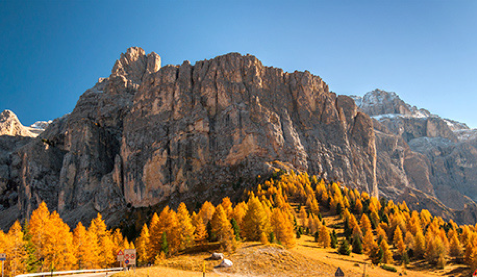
x: 193, y: 128
x: 147, y: 135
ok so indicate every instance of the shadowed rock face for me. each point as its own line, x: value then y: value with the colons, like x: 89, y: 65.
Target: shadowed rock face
x: 148, y: 135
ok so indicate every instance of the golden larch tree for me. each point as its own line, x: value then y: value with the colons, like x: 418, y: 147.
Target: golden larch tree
x: 82, y: 245
x: 206, y: 212
x: 282, y: 227
x: 38, y: 225
x: 16, y: 263
x: 303, y: 216
x: 59, y: 244
x: 221, y: 226
x: 324, y: 237
x: 186, y: 228
x: 419, y: 244
x: 455, y: 248
x: 368, y: 241
x: 105, y: 241
x: 168, y: 223
x: 155, y: 235
x: 143, y: 246
x: 228, y: 207
x: 365, y: 223
x: 200, y: 233
x: 255, y: 220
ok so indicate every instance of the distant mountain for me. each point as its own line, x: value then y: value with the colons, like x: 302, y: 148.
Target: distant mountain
x: 151, y: 136
x: 420, y: 151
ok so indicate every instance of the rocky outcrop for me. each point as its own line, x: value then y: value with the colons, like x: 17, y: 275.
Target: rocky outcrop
x: 419, y: 151
x: 193, y: 128
x: 148, y: 135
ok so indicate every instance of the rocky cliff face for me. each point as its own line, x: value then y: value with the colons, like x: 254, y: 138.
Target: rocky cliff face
x: 421, y: 152
x: 13, y: 136
x: 148, y: 136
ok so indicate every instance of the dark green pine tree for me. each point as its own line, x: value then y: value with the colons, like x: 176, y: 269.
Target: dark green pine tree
x: 271, y: 237
x: 164, y: 244
x: 334, y: 240
x: 344, y: 248
x: 357, y: 247
x: 32, y: 263
x: 211, y: 237
x: 236, y: 229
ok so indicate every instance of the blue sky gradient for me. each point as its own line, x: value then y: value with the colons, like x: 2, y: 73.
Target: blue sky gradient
x: 426, y: 51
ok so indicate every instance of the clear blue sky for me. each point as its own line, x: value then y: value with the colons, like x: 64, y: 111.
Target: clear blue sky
x: 426, y: 51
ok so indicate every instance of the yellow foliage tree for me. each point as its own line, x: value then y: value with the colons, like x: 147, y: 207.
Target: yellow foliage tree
x: 255, y: 220
x: 325, y: 238
x: 186, y: 228
x: 143, y: 246
x: 228, y: 207
x: 455, y: 246
x: 303, y: 216
x: 16, y: 250
x: 239, y: 212
x: 221, y: 226
x: 168, y: 223
x: 419, y: 244
x: 387, y: 254
x: 200, y: 233
x: 82, y: 245
x: 104, y: 239
x: 207, y: 211
x: 282, y: 227
x: 368, y: 241
x: 365, y: 223
x: 155, y: 236
x: 39, y: 224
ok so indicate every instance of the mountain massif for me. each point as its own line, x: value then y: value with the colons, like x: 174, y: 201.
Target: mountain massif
x: 149, y: 136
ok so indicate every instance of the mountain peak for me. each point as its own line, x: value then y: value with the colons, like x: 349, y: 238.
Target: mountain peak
x: 135, y: 64
x: 380, y: 103
x: 10, y: 125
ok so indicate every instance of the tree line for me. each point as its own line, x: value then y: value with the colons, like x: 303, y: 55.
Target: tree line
x: 279, y: 210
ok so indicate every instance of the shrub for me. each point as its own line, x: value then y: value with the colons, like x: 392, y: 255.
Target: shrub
x: 389, y: 268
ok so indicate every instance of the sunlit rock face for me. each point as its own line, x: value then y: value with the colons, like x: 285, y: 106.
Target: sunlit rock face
x: 192, y: 128
x: 148, y: 135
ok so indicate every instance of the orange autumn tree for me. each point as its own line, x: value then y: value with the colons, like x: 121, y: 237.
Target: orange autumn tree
x: 255, y: 221
x: 282, y: 228
x: 59, y: 244
x: 105, y: 243
x: 185, y: 228
x: 155, y: 236
x: 39, y: 224
x: 143, y: 246
x: 82, y: 244
x: 221, y: 227
x: 15, y: 250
